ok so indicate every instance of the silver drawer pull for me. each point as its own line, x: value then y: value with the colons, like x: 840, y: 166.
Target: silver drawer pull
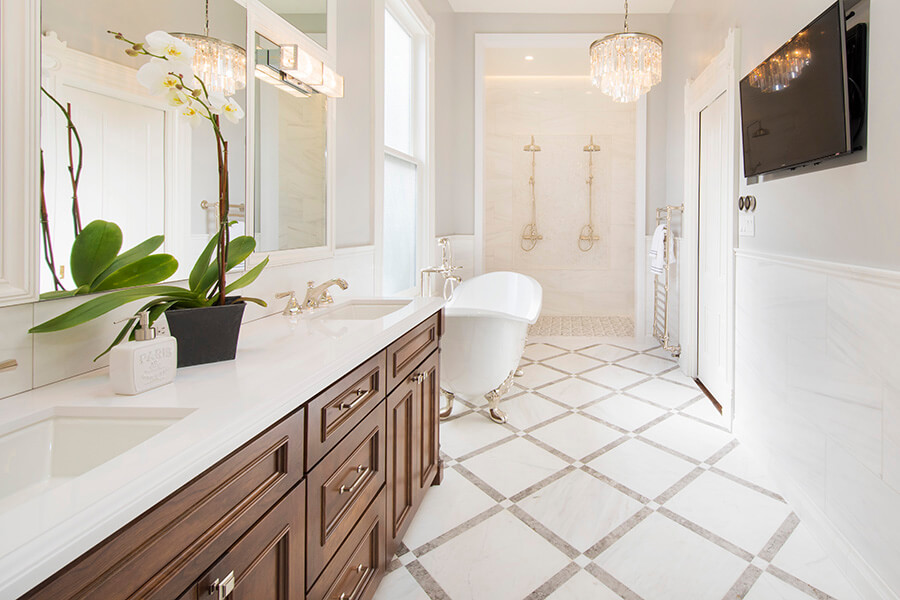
x: 360, y: 395
x: 220, y: 590
x: 363, y: 472
x: 359, y: 569
x: 9, y: 365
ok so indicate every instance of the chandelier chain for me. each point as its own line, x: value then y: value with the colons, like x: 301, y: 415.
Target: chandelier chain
x: 206, y: 27
x: 626, y: 16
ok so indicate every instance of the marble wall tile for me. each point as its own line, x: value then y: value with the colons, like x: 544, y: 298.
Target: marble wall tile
x: 816, y: 393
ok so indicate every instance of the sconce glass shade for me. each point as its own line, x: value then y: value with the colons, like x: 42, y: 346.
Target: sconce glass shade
x: 626, y: 65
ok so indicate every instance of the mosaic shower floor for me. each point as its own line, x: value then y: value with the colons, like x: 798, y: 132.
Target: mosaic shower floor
x: 583, y: 326
x: 613, y: 478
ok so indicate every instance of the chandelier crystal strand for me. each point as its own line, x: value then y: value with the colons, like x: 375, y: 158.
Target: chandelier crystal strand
x: 221, y: 65
x: 626, y: 65
x: 783, y: 67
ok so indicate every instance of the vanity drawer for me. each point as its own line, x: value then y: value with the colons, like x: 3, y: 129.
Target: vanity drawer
x: 340, y: 489
x: 407, y: 353
x: 337, y: 410
x: 359, y: 565
x: 159, y: 554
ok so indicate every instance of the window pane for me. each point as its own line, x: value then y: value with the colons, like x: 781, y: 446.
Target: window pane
x: 397, y: 85
x: 399, y: 225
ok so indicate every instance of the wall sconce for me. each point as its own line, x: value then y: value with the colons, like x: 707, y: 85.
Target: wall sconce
x: 290, y: 68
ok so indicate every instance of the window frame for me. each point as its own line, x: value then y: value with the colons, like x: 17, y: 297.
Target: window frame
x: 414, y: 19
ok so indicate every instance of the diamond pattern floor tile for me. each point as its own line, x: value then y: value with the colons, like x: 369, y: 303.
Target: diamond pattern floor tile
x: 694, y: 541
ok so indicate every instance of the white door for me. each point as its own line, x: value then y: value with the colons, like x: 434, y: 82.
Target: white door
x: 714, y: 252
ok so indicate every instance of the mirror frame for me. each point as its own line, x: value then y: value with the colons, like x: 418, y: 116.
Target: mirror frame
x: 262, y: 20
x: 19, y: 151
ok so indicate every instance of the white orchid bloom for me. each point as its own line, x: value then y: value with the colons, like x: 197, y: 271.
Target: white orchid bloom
x: 227, y: 107
x: 178, y: 98
x: 192, y: 115
x: 156, y: 77
x: 163, y: 44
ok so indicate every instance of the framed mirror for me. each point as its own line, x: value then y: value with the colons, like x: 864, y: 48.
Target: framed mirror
x: 292, y: 129
x: 119, y: 145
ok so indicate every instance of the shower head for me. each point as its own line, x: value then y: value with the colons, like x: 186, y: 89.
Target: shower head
x: 592, y: 147
x: 532, y: 147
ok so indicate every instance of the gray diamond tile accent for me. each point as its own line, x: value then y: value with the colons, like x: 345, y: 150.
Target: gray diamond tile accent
x: 614, y: 376
x: 607, y: 353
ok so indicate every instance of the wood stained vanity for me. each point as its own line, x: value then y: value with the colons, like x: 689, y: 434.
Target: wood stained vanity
x: 313, y: 507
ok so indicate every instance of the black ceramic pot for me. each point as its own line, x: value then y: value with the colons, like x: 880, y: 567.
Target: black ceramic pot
x: 208, y: 334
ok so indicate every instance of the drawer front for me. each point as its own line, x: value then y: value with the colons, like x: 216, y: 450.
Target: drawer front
x: 267, y: 562
x: 161, y: 553
x: 404, y: 355
x: 337, y: 410
x: 359, y: 565
x: 341, y: 486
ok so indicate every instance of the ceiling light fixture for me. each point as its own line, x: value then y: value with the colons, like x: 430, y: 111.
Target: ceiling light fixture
x: 626, y: 65
x: 529, y: 57
x: 221, y: 65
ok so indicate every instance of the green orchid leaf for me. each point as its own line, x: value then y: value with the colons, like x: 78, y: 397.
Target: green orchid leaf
x: 149, y: 269
x: 238, y: 250
x: 94, y: 250
x: 58, y: 294
x: 247, y: 278
x: 202, y: 264
x: 126, y: 331
x: 253, y: 300
x: 145, y: 248
x: 101, y: 305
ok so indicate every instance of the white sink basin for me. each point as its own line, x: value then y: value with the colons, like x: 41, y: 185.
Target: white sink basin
x: 64, y: 442
x: 362, y: 310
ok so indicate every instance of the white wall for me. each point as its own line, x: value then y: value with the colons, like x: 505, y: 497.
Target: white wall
x: 813, y: 391
x: 562, y: 113
x: 455, y: 107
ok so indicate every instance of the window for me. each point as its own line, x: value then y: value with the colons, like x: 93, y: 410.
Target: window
x: 405, y: 231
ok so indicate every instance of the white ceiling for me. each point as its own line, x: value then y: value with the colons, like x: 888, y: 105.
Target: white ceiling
x: 556, y: 62
x: 562, y: 6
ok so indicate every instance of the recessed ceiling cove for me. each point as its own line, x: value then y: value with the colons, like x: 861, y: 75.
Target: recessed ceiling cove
x: 561, y: 6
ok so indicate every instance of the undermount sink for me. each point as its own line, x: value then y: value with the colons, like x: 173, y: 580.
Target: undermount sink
x: 362, y: 309
x: 64, y: 442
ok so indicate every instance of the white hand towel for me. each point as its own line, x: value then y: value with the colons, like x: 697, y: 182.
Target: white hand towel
x: 658, y: 250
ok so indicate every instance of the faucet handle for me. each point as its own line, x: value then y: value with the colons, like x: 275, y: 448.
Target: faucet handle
x: 310, y: 284
x: 293, y: 306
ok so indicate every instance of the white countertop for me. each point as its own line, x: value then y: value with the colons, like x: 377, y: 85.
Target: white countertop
x: 280, y: 365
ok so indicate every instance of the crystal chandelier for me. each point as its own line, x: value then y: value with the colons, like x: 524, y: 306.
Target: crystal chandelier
x: 626, y: 65
x: 783, y: 67
x: 221, y: 65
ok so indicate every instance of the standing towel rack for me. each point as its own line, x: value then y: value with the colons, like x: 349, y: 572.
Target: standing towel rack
x: 661, y: 282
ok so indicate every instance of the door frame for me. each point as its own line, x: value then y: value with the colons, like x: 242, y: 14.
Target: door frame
x: 483, y: 41
x: 720, y: 77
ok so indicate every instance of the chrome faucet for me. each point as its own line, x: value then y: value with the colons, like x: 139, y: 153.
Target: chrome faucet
x: 293, y: 305
x: 316, y: 295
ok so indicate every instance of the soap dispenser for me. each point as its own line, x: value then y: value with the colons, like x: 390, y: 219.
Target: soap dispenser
x: 146, y: 363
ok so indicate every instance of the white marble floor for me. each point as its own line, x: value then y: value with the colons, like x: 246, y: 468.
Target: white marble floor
x: 614, y: 478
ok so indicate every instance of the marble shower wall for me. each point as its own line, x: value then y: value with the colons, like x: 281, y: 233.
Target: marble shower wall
x: 562, y: 113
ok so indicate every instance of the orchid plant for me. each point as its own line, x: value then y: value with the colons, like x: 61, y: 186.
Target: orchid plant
x: 170, y: 73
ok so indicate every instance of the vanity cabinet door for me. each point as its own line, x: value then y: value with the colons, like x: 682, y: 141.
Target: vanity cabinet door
x: 267, y: 562
x: 413, y: 445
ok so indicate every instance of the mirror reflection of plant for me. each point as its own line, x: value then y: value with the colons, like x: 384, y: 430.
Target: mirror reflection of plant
x: 45, y: 235
x: 170, y: 72
x: 96, y: 265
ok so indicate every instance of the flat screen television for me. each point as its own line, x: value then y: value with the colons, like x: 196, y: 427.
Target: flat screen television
x: 795, y: 106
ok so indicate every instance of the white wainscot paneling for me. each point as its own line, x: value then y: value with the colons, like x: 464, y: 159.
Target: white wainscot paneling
x: 816, y: 395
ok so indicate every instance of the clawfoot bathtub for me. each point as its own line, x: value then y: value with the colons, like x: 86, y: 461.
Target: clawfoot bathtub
x: 487, y: 319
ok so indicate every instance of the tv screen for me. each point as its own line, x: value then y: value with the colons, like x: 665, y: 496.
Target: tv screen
x: 794, y: 107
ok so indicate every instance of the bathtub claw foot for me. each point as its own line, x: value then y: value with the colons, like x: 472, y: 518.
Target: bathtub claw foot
x: 446, y: 410
x: 519, y: 373
x: 497, y: 415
